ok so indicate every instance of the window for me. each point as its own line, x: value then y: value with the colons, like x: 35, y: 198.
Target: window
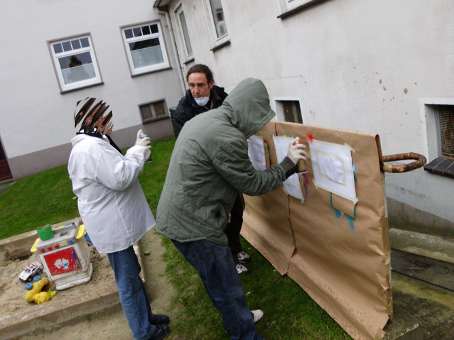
x: 218, y: 18
x: 145, y: 48
x: 289, y: 111
x: 443, y: 147
x: 291, y: 4
x: 75, y: 63
x: 153, y: 111
x: 184, y: 31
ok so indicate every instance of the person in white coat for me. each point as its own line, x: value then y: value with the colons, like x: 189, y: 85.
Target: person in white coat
x: 113, y: 208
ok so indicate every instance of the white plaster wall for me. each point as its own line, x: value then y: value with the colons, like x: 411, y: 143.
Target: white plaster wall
x: 355, y: 65
x: 34, y: 115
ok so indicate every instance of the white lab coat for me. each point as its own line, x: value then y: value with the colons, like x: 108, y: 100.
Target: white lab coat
x: 111, y: 202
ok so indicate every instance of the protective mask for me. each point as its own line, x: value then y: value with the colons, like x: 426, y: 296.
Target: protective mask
x: 202, y: 101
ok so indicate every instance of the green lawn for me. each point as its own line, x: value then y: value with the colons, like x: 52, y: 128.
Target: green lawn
x: 289, y: 312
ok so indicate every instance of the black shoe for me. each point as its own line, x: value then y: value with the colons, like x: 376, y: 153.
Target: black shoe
x: 159, y: 319
x: 160, y: 333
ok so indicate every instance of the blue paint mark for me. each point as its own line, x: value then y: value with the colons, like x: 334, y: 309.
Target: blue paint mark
x: 351, y: 222
x: 338, y: 213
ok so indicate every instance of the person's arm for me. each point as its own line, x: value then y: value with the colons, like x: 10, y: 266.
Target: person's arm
x: 118, y: 172
x: 233, y: 164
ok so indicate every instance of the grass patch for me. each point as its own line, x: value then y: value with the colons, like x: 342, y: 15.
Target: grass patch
x: 47, y: 197
x: 289, y: 312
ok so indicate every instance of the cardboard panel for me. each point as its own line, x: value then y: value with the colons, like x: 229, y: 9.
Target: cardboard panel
x: 342, y: 256
x: 266, y: 218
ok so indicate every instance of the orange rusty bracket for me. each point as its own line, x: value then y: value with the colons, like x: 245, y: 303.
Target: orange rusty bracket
x: 419, y: 160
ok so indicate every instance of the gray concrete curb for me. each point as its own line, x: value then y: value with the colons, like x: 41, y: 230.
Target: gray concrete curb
x: 436, y: 247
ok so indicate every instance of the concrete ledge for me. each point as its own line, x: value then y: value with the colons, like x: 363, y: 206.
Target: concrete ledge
x: 435, y: 247
x: 57, y: 313
x: 404, y: 216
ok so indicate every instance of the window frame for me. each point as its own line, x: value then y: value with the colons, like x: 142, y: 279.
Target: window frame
x: 279, y: 113
x: 438, y: 163
x: 160, y: 35
x: 224, y: 40
x: 155, y: 118
x: 178, y: 10
x: 288, y: 5
x: 97, y: 80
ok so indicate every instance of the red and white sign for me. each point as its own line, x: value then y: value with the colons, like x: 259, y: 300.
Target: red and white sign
x: 62, y: 261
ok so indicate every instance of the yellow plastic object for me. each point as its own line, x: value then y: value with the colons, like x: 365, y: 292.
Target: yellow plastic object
x: 43, y: 296
x: 80, y: 232
x: 37, y: 287
x: 34, y: 247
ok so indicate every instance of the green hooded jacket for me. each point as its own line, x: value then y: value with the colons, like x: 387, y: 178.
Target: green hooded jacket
x: 210, y: 165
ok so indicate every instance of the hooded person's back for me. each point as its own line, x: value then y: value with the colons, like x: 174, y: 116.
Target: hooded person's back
x: 210, y: 164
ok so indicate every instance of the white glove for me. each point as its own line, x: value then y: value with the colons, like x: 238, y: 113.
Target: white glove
x: 142, y: 139
x: 296, y: 151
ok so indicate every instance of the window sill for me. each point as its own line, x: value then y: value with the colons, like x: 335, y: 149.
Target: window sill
x: 189, y: 60
x: 442, y: 166
x: 138, y: 74
x: 81, y: 87
x: 220, y: 44
x: 154, y: 120
x: 299, y: 8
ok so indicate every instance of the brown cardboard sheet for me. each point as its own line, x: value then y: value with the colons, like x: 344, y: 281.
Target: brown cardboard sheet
x: 342, y: 262
x: 267, y: 225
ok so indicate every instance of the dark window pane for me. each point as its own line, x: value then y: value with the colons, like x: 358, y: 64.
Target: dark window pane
x: 66, y: 46
x: 145, y: 30
x: 144, y: 44
x: 75, y: 44
x: 446, y: 122
x: 128, y: 33
x: 145, y: 112
x: 57, y: 48
x: 75, y: 60
x: 137, y: 32
x: 292, y: 111
x: 154, y: 28
x: 160, y: 108
x: 84, y: 42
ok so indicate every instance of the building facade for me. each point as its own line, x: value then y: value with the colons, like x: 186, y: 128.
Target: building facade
x: 55, y: 53
x: 379, y: 67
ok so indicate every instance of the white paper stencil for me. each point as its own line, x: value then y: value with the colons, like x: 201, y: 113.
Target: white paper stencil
x: 333, y: 168
x: 292, y: 185
x: 256, y: 151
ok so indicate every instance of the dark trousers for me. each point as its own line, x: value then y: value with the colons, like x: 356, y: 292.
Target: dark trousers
x: 233, y: 228
x: 215, y: 266
x: 133, y: 297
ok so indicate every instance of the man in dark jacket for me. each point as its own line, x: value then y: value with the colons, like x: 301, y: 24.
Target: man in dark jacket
x: 202, y: 96
x: 208, y: 168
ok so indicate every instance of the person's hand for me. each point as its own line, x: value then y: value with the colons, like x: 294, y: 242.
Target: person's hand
x: 296, y: 151
x: 142, y: 139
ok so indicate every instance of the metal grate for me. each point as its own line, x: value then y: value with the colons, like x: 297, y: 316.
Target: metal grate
x: 446, y: 121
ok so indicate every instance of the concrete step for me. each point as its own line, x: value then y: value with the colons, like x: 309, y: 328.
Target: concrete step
x: 423, y: 298
x: 436, y: 247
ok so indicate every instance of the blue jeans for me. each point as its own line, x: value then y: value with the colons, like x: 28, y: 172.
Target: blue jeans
x: 133, y: 297
x: 215, y: 265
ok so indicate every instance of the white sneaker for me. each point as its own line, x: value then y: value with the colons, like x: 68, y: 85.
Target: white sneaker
x: 257, y: 314
x: 242, y: 256
x: 241, y: 268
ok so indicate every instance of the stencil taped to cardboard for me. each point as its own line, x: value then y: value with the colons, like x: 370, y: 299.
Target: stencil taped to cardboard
x: 292, y: 184
x: 333, y: 168
x: 256, y: 151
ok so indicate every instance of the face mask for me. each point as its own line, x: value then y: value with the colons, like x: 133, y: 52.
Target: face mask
x: 202, y: 101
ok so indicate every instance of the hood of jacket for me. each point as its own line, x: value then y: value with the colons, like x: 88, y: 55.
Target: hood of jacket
x: 248, y: 106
